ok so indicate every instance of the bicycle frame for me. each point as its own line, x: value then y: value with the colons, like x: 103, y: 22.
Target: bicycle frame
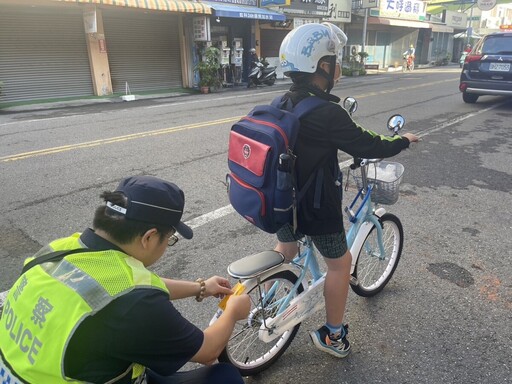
x: 283, y: 294
x: 294, y: 309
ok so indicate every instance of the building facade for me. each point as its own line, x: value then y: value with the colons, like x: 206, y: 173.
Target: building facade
x: 76, y: 48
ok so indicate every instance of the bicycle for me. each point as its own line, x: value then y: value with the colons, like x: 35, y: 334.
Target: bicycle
x: 285, y: 294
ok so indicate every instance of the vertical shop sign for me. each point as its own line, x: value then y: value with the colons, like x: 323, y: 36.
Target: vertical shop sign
x: 201, y: 26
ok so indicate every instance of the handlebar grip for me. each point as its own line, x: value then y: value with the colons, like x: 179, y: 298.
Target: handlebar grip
x: 356, y: 164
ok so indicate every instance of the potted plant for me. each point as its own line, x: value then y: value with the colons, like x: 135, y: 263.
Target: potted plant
x: 357, y: 63
x: 208, y: 69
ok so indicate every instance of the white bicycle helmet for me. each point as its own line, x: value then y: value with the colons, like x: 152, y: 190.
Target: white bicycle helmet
x: 304, y: 46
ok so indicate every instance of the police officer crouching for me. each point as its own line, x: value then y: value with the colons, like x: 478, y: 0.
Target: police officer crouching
x: 86, y: 309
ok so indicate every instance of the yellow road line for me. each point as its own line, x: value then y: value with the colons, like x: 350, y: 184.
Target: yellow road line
x: 95, y: 143
x: 111, y: 140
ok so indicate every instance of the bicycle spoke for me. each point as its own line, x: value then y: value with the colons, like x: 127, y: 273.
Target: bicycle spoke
x: 373, y: 269
x: 245, y: 349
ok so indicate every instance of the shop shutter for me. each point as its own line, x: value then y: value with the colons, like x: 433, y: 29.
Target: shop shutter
x: 43, y: 53
x: 143, y: 50
x: 271, y: 40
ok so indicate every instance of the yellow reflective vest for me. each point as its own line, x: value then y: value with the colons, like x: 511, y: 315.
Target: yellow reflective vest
x: 49, y: 301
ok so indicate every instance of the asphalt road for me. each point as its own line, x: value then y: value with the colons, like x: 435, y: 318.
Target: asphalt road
x: 446, y: 315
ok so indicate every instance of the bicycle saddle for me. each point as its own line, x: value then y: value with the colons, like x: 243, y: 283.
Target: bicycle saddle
x: 253, y: 265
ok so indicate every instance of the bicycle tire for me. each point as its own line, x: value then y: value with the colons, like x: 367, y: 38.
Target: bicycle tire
x: 245, y: 350
x: 371, y: 272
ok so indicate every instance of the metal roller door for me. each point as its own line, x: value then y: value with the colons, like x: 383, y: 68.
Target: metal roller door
x: 271, y: 41
x: 43, y: 54
x: 143, y: 50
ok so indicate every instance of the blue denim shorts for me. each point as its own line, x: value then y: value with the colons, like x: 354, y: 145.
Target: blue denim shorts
x: 331, y: 246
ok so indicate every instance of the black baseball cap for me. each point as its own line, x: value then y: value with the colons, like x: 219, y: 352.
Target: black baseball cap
x: 153, y: 200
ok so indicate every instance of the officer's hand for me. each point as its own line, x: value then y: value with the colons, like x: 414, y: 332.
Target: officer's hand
x: 217, y: 286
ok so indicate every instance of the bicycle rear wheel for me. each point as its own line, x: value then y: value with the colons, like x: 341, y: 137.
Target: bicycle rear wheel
x: 245, y: 350
x: 373, y: 272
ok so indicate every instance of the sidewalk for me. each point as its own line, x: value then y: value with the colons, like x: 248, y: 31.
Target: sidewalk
x: 79, y: 102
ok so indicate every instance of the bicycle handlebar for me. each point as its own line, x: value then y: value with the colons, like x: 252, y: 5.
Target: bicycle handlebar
x: 359, y: 162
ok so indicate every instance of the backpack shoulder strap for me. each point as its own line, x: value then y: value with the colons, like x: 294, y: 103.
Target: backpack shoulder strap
x: 52, y: 256
x: 302, y: 108
x: 308, y: 104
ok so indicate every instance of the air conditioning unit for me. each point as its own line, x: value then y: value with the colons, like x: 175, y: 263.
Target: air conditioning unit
x: 354, y: 49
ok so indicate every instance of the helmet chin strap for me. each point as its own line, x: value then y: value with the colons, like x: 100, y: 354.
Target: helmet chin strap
x: 329, y: 76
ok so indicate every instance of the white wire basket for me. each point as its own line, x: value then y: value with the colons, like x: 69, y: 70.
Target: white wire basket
x: 385, y: 177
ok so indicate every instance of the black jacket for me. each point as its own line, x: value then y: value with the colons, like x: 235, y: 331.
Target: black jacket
x: 323, y: 132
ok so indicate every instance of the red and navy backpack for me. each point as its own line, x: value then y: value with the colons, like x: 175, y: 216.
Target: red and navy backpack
x: 261, y: 182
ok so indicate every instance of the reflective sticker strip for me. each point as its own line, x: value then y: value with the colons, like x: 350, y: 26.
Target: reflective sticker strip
x: 6, y: 376
x: 79, y: 281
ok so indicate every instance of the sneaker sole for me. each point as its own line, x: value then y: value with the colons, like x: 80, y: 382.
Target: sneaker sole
x: 331, y: 351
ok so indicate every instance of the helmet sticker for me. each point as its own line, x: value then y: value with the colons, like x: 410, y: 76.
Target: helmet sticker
x: 314, y: 39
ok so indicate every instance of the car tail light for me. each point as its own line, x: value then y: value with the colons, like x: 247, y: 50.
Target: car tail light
x: 462, y: 87
x: 470, y: 58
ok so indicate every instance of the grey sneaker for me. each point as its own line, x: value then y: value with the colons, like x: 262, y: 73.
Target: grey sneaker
x: 338, y: 347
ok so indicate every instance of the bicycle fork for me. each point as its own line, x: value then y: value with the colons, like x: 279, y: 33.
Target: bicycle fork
x: 357, y: 236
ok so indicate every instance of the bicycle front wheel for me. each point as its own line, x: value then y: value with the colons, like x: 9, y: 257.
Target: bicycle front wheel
x: 373, y: 271
x: 245, y: 350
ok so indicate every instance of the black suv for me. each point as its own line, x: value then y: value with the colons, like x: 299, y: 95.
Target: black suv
x: 487, y: 69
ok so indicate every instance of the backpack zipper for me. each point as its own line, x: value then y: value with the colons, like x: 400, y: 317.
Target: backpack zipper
x: 271, y: 125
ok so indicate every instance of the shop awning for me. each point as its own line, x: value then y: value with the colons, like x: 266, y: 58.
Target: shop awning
x: 156, y: 5
x: 244, y: 12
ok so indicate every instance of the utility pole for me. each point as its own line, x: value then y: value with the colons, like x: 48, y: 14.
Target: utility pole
x: 469, y: 32
x: 365, y: 23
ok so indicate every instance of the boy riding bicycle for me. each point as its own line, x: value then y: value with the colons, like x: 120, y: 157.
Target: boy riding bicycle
x: 311, y: 55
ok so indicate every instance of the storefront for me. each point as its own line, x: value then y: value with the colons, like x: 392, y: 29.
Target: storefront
x: 143, y: 50
x: 391, y: 29
x: 74, y: 48
x: 234, y: 29
x: 43, y: 53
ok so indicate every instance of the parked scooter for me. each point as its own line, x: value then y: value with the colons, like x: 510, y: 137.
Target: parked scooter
x: 261, y: 73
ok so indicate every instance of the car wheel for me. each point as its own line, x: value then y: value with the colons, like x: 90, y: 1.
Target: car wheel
x: 470, y: 98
